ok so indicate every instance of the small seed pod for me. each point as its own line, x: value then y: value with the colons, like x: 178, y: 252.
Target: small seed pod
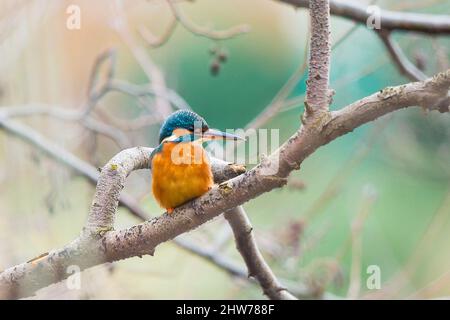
x: 223, y: 56
x: 215, y: 67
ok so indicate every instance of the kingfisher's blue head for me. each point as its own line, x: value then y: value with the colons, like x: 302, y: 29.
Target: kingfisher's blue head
x: 185, y: 123
x: 183, y: 120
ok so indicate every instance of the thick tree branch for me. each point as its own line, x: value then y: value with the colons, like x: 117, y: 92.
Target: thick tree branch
x: 154, y: 41
x: 151, y: 70
x: 221, y: 170
x: 96, y: 246
x: 257, y: 266
x: 390, y: 20
x: 431, y: 94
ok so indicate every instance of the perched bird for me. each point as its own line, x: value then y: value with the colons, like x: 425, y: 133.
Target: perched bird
x: 181, y: 169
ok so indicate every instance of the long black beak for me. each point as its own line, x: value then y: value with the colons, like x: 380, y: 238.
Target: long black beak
x: 212, y: 134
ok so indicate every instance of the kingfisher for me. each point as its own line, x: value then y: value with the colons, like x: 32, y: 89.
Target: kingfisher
x: 181, y: 168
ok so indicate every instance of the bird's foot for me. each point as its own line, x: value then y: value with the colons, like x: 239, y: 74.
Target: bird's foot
x: 170, y: 210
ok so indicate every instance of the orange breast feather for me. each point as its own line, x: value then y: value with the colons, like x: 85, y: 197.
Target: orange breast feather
x: 180, y: 172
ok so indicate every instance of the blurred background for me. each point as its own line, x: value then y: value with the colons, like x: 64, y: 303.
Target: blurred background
x: 377, y: 196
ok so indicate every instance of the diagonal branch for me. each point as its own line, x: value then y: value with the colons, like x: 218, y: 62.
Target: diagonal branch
x: 405, y: 66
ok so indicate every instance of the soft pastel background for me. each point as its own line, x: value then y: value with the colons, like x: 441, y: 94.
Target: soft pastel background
x: 396, y: 170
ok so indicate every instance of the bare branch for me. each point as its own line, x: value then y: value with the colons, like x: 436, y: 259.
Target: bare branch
x: 59, y: 113
x: 152, y: 40
x: 390, y: 20
x: 257, y: 266
x: 222, y: 172
x: 95, y: 92
x: 143, y: 121
x: 143, y: 91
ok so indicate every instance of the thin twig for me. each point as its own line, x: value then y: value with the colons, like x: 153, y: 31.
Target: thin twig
x: 203, y: 31
x: 88, y: 171
x: 356, y: 242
